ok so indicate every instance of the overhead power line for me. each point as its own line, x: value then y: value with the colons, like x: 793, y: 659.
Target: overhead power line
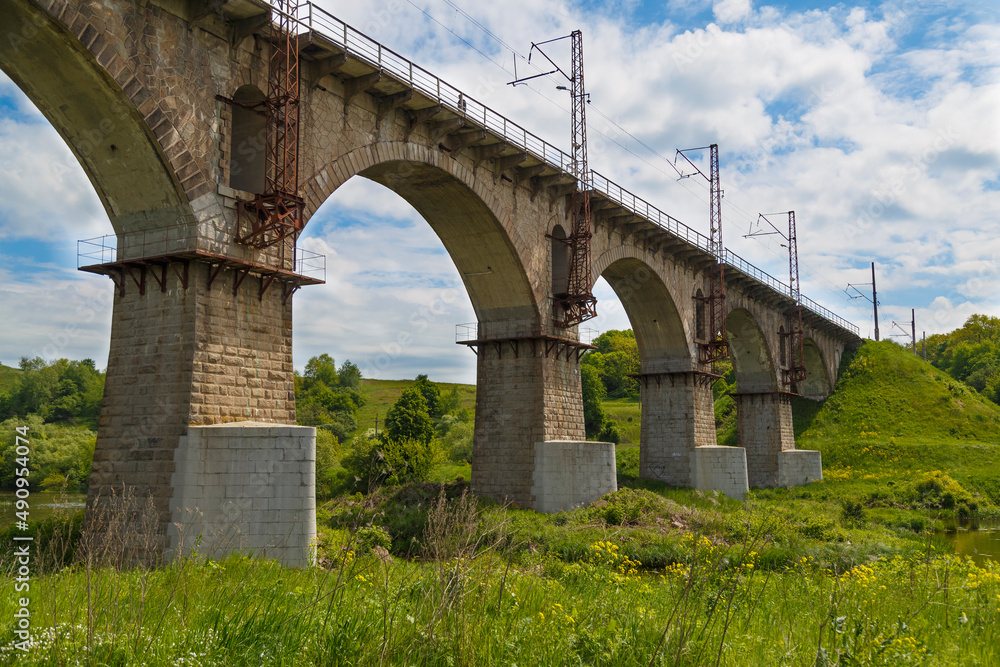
x: 731, y: 205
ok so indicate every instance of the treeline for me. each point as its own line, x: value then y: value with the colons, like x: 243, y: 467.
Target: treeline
x: 61, y: 392
x: 60, y: 403
x: 422, y: 428
x: 970, y: 354
x: 607, y: 372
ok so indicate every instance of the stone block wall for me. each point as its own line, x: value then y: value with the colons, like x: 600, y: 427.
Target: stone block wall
x: 570, y: 474
x: 525, y: 394
x: 677, y: 416
x: 183, y: 357
x: 723, y: 469
x: 764, y: 429
x: 799, y: 466
x: 246, y: 487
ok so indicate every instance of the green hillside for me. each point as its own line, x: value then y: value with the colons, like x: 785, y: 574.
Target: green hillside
x: 8, y: 378
x: 894, y: 418
x: 886, y: 393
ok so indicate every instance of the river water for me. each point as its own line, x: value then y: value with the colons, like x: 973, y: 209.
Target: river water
x: 42, y: 505
x: 977, y: 538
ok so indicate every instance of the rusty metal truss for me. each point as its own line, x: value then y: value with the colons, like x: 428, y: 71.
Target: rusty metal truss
x: 717, y: 345
x: 277, y: 213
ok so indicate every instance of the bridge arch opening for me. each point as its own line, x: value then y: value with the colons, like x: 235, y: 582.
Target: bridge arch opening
x: 817, y: 385
x: 248, y: 141
x: 666, y: 386
x: 750, y: 354
x: 97, y: 120
x: 441, y: 250
x: 651, y: 310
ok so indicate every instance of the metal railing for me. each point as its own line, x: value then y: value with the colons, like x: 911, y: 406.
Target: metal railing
x: 362, y: 47
x: 470, y: 331
x: 160, y: 243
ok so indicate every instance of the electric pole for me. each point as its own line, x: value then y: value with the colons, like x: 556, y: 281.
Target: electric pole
x: 578, y: 303
x: 717, y: 345
x: 875, y: 300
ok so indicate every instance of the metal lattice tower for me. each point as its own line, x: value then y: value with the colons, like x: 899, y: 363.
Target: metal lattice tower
x: 717, y: 346
x: 276, y: 214
x: 579, y: 302
x: 796, y: 371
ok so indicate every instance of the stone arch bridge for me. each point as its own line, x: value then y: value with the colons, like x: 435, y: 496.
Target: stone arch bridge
x: 199, y: 406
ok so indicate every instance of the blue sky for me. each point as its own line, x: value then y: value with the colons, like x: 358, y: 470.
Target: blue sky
x: 879, y: 123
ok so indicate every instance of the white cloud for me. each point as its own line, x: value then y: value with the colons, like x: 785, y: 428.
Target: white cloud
x: 832, y: 112
x: 732, y: 11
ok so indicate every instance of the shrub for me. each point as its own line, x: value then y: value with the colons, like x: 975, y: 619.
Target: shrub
x: 939, y: 490
x: 629, y: 507
x: 610, y: 433
x: 377, y: 461
x: 852, y: 511
x: 370, y: 537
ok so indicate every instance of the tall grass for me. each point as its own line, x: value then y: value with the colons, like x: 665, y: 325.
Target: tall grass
x: 476, y: 591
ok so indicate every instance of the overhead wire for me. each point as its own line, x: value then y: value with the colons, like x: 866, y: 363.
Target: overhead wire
x: 680, y: 181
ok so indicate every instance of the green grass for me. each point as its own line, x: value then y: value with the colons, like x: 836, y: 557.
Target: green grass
x: 684, y: 579
x: 894, y: 418
x: 844, y: 571
x: 627, y: 413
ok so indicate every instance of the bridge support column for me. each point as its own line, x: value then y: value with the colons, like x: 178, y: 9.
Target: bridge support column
x: 192, y: 344
x: 764, y: 428
x: 529, y: 417
x: 678, y: 415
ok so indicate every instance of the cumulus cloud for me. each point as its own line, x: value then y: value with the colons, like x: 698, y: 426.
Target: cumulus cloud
x: 732, y: 11
x: 878, y: 125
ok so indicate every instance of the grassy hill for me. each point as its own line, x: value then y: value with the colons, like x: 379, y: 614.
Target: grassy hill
x: 886, y: 394
x: 894, y: 419
x: 8, y: 378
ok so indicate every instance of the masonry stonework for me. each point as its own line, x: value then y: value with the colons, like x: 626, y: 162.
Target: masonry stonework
x: 138, y: 90
x: 183, y: 357
x: 764, y: 428
x: 677, y: 416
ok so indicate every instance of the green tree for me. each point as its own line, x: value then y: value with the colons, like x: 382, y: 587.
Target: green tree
x: 329, y: 398
x: 616, y: 358
x: 432, y: 395
x: 593, y: 392
x: 374, y: 461
x: 322, y: 370
x: 408, y: 419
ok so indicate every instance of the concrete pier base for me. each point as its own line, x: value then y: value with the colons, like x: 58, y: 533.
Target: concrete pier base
x: 570, y: 474
x: 799, y: 466
x: 245, y: 487
x: 718, y: 468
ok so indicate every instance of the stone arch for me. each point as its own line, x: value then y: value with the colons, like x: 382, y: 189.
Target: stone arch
x: 662, y: 333
x: 817, y: 385
x: 474, y: 226
x: 248, y: 141
x: 750, y: 354
x: 132, y: 154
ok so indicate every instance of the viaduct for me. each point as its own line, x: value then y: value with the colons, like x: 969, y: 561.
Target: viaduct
x: 199, y: 405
